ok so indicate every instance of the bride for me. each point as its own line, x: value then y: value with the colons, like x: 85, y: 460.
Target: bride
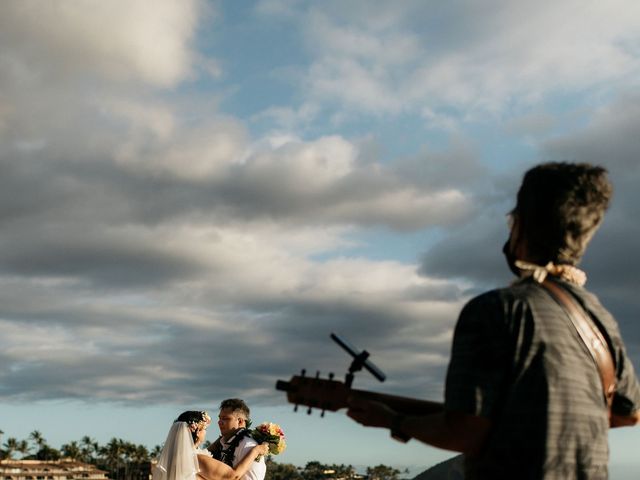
x: 181, y: 459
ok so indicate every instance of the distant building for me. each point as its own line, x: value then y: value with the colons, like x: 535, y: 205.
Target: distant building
x: 333, y: 475
x: 66, y: 469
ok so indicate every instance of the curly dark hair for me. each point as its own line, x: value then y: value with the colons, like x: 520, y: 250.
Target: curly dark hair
x: 196, y: 421
x: 559, y: 207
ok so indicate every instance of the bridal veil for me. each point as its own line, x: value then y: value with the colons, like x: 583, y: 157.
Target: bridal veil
x: 178, y: 459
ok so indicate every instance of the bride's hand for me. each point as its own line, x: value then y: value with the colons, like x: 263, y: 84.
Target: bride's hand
x: 263, y: 448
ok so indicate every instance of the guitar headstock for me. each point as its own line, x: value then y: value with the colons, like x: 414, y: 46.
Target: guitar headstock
x: 321, y: 393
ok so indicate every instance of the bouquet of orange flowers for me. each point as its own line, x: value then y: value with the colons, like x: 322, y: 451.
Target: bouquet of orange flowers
x: 271, y: 433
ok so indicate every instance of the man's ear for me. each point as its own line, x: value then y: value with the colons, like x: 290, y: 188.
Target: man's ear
x: 242, y: 422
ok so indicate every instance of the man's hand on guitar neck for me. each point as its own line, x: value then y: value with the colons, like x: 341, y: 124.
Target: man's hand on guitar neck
x: 455, y: 431
x: 370, y: 413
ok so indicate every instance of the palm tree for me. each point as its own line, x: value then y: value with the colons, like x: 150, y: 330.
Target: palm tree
x: 128, y: 452
x: 45, y: 452
x: 155, y: 451
x: 143, y: 462
x: 23, y: 447
x: 48, y: 453
x: 10, y: 446
x: 71, y: 450
x: 89, y: 448
x: 382, y: 472
x: 112, y: 456
x: 281, y: 471
x: 314, y: 470
x: 140, y: 454
x: 37, y: 438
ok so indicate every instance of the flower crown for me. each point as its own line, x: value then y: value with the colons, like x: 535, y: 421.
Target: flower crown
x: 196, y: 425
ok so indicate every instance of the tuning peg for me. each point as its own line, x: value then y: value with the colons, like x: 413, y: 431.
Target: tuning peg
x: 318, y: 374
x: 322, y: 414
x: 303, y: 372
x: 295, y: 409
x: 331, y: 375
x: 309, y: 411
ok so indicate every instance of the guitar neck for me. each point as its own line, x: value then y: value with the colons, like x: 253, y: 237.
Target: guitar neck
x: 333, y: 395
x: 404, y: 405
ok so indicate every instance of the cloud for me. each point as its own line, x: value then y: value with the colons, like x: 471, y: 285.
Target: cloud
x: 472, y: 252
x: 139, y: 40
x: 198, y: 154
x: 148, y: 250
x: 612, y: 139
x: 149, y: 240
x: 279, y: 8
x: 149, y: 254
x: 428, y: 57
x: 209, y: 172
x: 102, y: 345
x: 531, y: 125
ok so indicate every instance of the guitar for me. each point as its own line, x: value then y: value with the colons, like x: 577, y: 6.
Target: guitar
x: 332, y: 395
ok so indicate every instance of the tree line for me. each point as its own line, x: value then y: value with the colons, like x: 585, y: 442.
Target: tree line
x: 123, y: 460
x: 315, y: 470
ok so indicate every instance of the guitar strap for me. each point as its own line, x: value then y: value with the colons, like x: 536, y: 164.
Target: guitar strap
x: 590, y: 335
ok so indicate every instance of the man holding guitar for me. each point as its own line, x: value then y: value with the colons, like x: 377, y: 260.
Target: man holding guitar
x: 527, y: 394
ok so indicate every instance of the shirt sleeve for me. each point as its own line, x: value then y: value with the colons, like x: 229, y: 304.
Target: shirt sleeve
x: 626, y: 400
x: 479, y: 358
x: 258, y: 469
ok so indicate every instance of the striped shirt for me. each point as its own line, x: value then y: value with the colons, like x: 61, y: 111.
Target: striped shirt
x: 517, y: 360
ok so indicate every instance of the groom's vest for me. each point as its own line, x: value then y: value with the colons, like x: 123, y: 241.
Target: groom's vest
x: 227, y: 455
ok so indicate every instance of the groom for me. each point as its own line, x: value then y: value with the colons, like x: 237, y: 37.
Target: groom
x: 235, y: 441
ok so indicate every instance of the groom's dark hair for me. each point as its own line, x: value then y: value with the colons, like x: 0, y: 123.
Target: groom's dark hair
x: 237, y: 405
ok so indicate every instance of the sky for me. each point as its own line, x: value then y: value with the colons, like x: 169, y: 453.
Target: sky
x: 194, y: 194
